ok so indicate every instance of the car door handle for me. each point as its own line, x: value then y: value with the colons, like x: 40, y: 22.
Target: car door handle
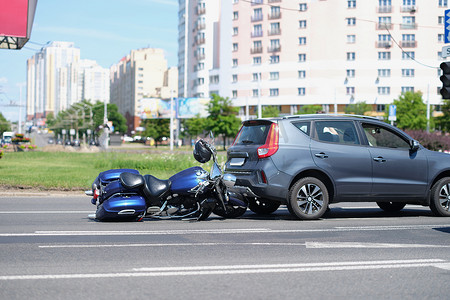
x: 321, y: 155
x: 379, y: 159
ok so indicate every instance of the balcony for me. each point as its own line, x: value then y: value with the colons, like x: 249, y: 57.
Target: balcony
x: 200, y: 10
x: 257, y: 34
x: 408, y: 26
x: 384, y: 9
x: 382, y: 26
x: 201, y: 56
x: 199, y: 40
x: 274, y: 1
x: 257, y: 18
x: 200, y: 26
x: 276, y: 48
x: 274, y: 31
x: 275, y: 15
x: 383, y: 44
x: 409, y: 8
x: 256, y: 50
x: 257, y: 2
x: 408, y: 44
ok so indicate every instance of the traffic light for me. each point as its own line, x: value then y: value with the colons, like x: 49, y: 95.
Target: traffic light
x: 445, y: 78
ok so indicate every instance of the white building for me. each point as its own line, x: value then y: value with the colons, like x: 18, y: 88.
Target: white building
x: 330, y: 52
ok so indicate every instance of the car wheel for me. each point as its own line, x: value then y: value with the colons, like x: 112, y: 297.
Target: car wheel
x: 308, y: 199
x: 440, y: 198
x: 391, y: 206
x: 263, y: 206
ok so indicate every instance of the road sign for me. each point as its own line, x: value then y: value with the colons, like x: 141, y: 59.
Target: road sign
x: 392, y: 113
x: 445, y: 51
x: 447, y: 26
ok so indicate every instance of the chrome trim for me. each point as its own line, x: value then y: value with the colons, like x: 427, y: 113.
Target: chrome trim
x: 127, y: 212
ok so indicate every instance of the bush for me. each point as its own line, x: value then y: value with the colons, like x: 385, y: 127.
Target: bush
x: 1, y: 153
x: 435, y: 141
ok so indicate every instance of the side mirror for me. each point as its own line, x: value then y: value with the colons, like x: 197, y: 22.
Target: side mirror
x: 415, y: 145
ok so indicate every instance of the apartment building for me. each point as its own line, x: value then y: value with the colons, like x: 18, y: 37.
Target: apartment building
x: 141, y: 74
x: 328, y: 52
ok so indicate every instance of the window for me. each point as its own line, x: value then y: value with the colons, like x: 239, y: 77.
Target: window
x: 257, y: 30
x: 378, y: 136
x: 407, y: 89
x: 408, y: 72
x: 351, y: 21
x: 303, y: 7
x: 275, y: 28
x: 275, y: 45
x: 301, y: 91
x: 255, y: 76
x: 234, y: 93
x: 235, y: 46
x: 303, y: 126
x: 351, y: 39
x: 409, y: 22
x: 275, y: 12
x: 302, y: 40
x: 257, y: 14
x: 257, y: 60
x: 302, y: 57
x: 381, y: 107
x: 408, y: 55
x: 235, y: 62
x: 257, y: 47
x: 235, y: 15
x: 301, y: 74
x: 351, y: 55
x: 342, y: 132
x: 384, y: 72
x: 273, y: 92
x: 384, y: 90
x: 255, y: 92
x: 350, y: 90
x: 215, y: 79
x: 235, y: 30
x: 274, y: 75
x: 351, y: 4
x: 234, y: 77
x: 384, y: 55
x: 350, y: 73
x: 443, y: 3
x: 440, y: 38
x: 274, y: 59
x: 409, y: 2
x: 384, y: 2
x: 383, y: 22
x: 441, y: 20
x: 302, y: 24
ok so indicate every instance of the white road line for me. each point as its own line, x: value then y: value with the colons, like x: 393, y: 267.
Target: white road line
x: 310, y: 245
x: 241, y: 269
x: 221, y: 231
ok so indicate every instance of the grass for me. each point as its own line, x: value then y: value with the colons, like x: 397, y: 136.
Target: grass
x: 77, y: 171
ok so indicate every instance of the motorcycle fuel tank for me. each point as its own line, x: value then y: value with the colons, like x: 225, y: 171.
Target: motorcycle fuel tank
x: 184, y: 181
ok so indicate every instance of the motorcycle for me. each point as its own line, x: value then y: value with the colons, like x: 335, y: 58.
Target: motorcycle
x: 125, y: 194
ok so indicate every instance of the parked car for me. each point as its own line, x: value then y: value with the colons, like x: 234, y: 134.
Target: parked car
x: 310, y: 161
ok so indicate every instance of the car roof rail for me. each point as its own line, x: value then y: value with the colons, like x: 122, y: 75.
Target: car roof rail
x: 329, y: 115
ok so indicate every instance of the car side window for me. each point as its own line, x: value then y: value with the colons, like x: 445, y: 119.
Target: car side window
x: 342, y: 132
x: 303, y: 126
x: 378, y: 136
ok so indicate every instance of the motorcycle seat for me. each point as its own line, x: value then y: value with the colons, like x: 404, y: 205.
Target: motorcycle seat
x: 154, y: 188
x: 131, y: 180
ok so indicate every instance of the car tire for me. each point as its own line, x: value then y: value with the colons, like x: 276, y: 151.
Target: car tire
x: 391, y: 206
x: 440, y: 198
x: 263, y: 206
x: 308, y: 199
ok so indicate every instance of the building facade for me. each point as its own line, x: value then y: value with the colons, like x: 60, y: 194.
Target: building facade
x: 332, y: 53
x: 57, y: 78
x: 141, y: 74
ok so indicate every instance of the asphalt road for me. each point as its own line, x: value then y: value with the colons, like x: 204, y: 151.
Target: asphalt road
x: 50, y: 249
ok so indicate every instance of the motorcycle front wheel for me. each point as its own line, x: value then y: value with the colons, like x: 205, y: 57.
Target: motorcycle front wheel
x: 231, y: 212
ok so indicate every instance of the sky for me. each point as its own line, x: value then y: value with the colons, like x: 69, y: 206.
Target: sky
x: 103, y: 30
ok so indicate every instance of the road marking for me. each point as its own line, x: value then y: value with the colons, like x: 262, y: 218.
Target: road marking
x: 243, y: 269
x: 221, y: 231
x: 46, y: 212
x: 310, y: 245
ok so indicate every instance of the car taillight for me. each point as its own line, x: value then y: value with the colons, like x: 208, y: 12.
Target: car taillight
x: 271, y: 145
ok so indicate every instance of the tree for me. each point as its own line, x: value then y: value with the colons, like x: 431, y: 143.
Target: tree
x: 222, y: 118
x: 118, y: 120
x: 156, y: 129
x: 51, y: 120
x: 4, y: 124
x: 310, y: 109
x: 411, y: 111
x: 194, y: 126
x: 444, y: 121
x: 270, y: 111
x: 358, y: 108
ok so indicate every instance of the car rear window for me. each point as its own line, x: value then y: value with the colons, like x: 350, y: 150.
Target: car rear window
x: 253, y: 134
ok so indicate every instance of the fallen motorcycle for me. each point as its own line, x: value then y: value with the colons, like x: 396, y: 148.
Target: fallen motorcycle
x: 125, y: 194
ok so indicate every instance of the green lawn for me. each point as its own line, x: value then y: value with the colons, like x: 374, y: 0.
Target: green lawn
x: 77, y: 171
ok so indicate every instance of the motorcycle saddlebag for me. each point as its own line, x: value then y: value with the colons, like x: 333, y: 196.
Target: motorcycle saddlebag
x: 114, y: 174
x: 121, y: 207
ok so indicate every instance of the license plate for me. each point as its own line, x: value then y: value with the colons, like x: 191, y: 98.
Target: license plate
x: 237, y: 161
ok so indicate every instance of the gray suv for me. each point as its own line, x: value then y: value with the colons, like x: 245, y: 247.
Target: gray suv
x: 310, y: 161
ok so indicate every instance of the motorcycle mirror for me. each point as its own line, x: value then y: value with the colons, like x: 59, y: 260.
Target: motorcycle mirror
x: 211, y: 135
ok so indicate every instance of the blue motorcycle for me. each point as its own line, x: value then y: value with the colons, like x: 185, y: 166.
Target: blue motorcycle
x: 125, y: 194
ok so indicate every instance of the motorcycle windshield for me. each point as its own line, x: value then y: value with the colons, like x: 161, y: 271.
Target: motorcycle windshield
x: 215, y: 171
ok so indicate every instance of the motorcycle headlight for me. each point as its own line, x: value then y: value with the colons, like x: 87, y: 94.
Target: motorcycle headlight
x: 229, y: 180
